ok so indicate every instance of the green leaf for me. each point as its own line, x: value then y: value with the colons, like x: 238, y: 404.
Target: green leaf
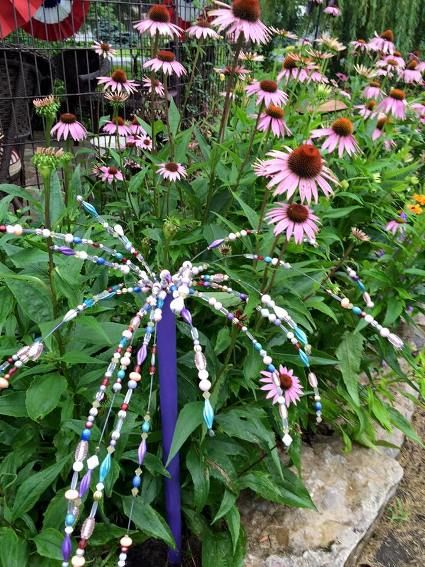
x: 189, y: 419
x: 265, y: 486
x: 56, y: 199
x: 233, y: 521
x: 148, y: 520
x: 320, y: 305
x: 399, y: 421
x: 13, y: 549
x: 173, y: 117
x: 13, y: 404
x: 395, y: 308
x: 250, y: 214
x: 44, y: 394
x: 349, y: 354
x: 54, y: 513
x: 199, y: 472
x: 79, y: 357
x: 33, y: 487
x: 340, y: 212
x: 229, y: 499
x: 31, y: 294
x: 48, y: 543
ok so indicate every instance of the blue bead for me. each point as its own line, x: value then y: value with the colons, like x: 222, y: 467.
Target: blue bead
x: 100, y: 261
x: 301, y: 336
x: 88, y: 302
x: 121, y: 373
x: 356, y: 310
x: 206, y: 277
x: 271, y: 367
x: 304, y: 358
x: 127, y: 246
x: 146, y: 426
x: 361, y: 286
x: 317, y: 406
x: 258, y: 346
x: 77, y: 240
x: 86, y: 434
x: 191, y: 291
x: 173, y: 288
x: 208, y: 414
x: 137, y: 481
x: 160, y: 303
x: 137, y: 289
x: 69, y: 520
x: 90, y: 209
x: 105, y: 467
x: 267, y: 259
x: 118, y: 255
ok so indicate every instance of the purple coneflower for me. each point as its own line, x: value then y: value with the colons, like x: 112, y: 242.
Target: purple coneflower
x: 165, y: 61
x: 153, y: 85
x: 136, y: 128
x: 267, y: 92
x: 315, y: 75
x: 397, y: 225
x: 110, y: 174
x: 103, y: 49
x: 389, y: 66
x: 158, y: 21
x: 202, y: 30
x: 146, y: 144
x: 395, y: 104
x: 272, y: 119
x: 293, y: 67
x: 172, y: 171
x: 282, y: 382
x: 339, y: 135
x: 383, y: 42
x: 332, y: 11
x: 240, y: 72
x: 411, y: 74
x: 118, y: 82
x: 360, y: 45
x: 380, y: 125
x: 117, y: 126
x: 302, y: 168
x: 368, y: 109
x: 419, y: 109
x: 341, y: 77
x: 373, y: 90
x: 295, y: 219
x: 241, y: 18
x: 68, y: 126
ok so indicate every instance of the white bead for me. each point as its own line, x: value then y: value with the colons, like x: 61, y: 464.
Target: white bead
x: 71, y: 494
x: 368, y: 318
x: 345, y: 302
x: 204, y: 385
x: 126, y: 541
x: 197, y: 348
x: 18, y: 363
x: 78, y: 466
x: 122, y: 413
x: 69, y: 530
x: 267, y: 360
x: 203, y: 374
x: 135, y: 376
x: 244, y: 232
x: 287, y: 440
x: 275, y: 261
x: 69, y: 238
x: 272, y: 317
x: 384, y: 332
x: 132, y: 384
x: 18, y: 229
x: 122, y: 556
x: 125, y: 361
x: 78, y: 561
x: 264, y: 312
x: 79, y: 552
x: 125, y: 269
x: 231, y: 236
x: 93, y: 411
x: 92, y: 462
x: 116, y: 355
x: 294, y: 341
x: 262, y: 352
x: 218, y: 305
x: 212, y: 300
x: 127, y: 334
x: 45, y: 232
x: 121, y: 563
x: 265, y: 299
x: 117, y: 387
x: 115, y: 435
x: 290, y: 335
x: 119, y: 230
x: 100, y: 486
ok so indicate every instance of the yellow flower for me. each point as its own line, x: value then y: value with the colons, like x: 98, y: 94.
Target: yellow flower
x: 419, y: 199
x: 415, y: 209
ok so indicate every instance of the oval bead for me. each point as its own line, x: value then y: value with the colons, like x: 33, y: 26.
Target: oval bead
x: 87, y: 528
x: 81, y: 451
x: 105, y: 467
x: 200, y: 361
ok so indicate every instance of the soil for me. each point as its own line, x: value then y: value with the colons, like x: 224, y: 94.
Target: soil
x: 399, y: 537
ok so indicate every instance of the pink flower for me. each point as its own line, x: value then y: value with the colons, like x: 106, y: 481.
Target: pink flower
x: 118, y: 82
x: 295, y: 219
x: 202, y: 30
x: 419, y: 110
x: 136, y: 128
x: 282, y: 383
x: 302, y: 168
x: 332, y: 11
x: 272, y: 119
x: 68, y: 125
x: 342, y: 77
x: 267, y: 92
x: 395, y: 104
x: 117, y: 126
x: 339, y: 135
x: 172, y: 171
x: 397, y: 225
x: 383, y: 42
x: 411, y: 74
x: 165, y: 61
x: 293, y: 67
x: 103, y: 49
x: 146, y: 144
x: 142, y: 142
x: 110, y: 174
x: 158, y: 21
x: 379, y: 130
x: 153, y: 85
x: 360, y: 45
x: 373, y: 90
x: 241, y: 18
x: 367, y: 110
x: 389, y: 66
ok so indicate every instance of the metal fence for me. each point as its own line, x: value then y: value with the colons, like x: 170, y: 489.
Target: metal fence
x: 32, y: 67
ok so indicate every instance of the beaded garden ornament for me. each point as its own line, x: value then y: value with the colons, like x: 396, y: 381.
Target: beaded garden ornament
x: 123, y: 373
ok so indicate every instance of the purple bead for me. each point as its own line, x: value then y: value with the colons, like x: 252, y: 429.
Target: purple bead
x: 85, y: 483
x: 186, y: 315
x: 66, y: 547
x: 141, y: 452
x: 243, y: 296
x: 229, y: 316
x: 66, y: 251
x: 216, y: 243
x: 142, y: 354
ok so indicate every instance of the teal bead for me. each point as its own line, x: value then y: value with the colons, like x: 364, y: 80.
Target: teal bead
x: 121, y: 374
x: 304, y: 358
x: 356, y: 310
x: 301, y: 336
x: 208, y: 414
x: 69, y: 520
x: 146, y: 427
x: 105, y: 467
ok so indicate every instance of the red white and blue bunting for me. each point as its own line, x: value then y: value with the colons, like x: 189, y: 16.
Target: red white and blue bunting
x: 56, y: 20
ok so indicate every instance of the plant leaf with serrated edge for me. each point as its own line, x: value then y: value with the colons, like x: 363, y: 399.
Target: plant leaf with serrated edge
x: 349, y: 354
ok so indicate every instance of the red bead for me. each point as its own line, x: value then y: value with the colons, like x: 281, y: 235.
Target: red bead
x: 2, y: 228
x: 10, y: 360
x: 96, y: 245
x: 261, y: 257
x: 105, y: 382
x: 12, y: 371
x: 124, y: 407
x: 151, y: 369
x: 137, y: 368
x: 135, y: 253
x: 82, y: 544
x: 154, y: 348
x: 89, y: 424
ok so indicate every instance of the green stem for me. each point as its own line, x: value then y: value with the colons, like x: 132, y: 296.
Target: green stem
x: 153, y: 93
x: 229, y: 89
x: 251, y: 143
x: 192, y: 78
x: 48, y: 123
x: 221, y: 374
x: 167, y: 120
